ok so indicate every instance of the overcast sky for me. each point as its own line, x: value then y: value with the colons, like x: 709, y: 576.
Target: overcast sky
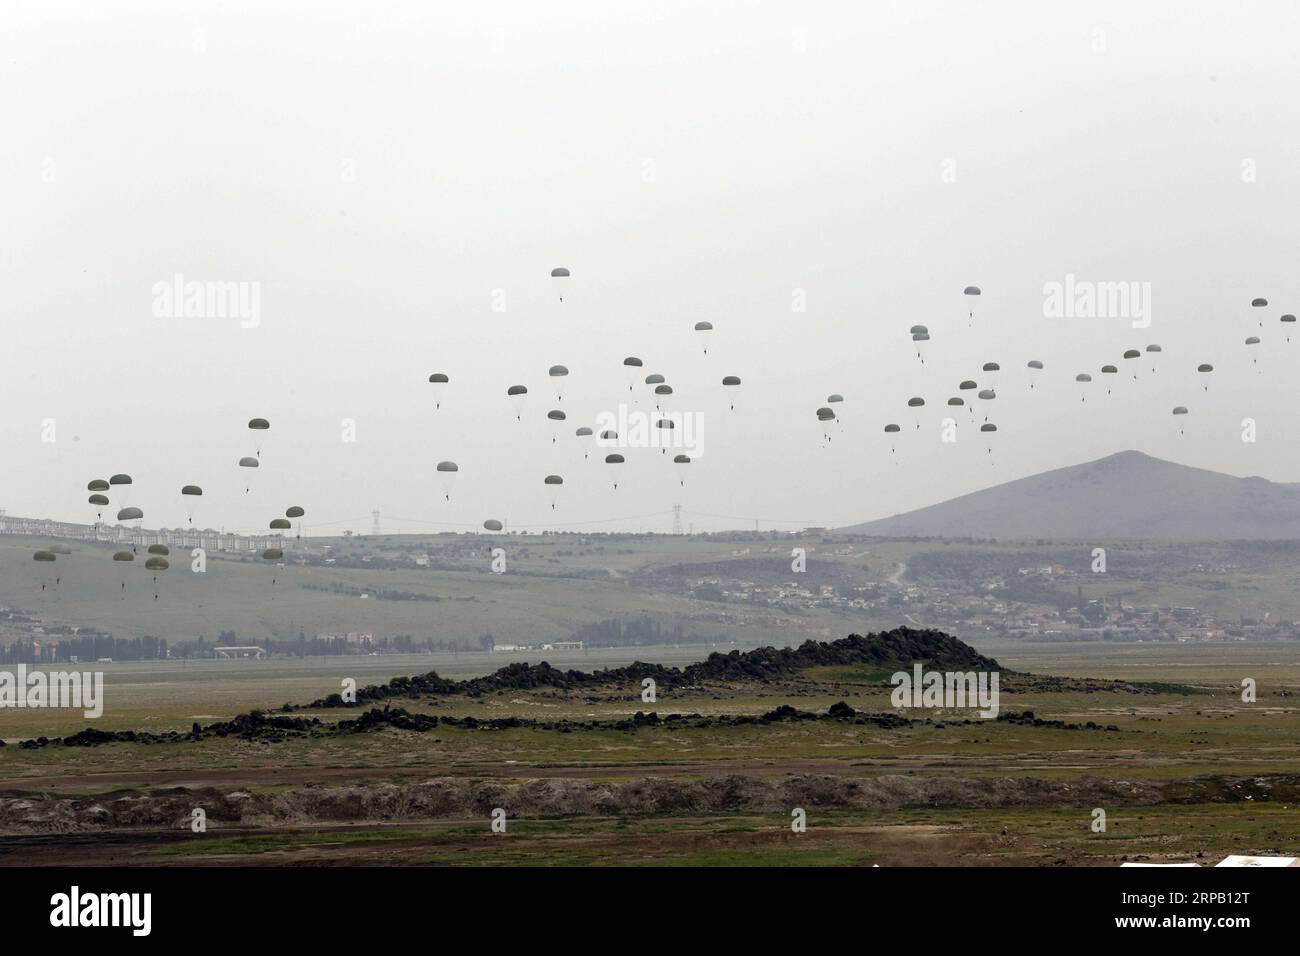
x: 388, y: 175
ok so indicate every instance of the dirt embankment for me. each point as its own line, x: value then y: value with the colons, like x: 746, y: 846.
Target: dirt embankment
x: 445, y: 798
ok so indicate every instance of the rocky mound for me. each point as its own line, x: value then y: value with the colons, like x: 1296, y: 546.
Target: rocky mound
x: 898, y: 648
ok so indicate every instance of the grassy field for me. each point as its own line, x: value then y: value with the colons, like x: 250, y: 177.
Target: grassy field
x: 553, y: 586
x: 1179, y: 772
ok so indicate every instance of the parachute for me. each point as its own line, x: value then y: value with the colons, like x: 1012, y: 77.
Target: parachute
x: 614, y: 459
x: 99, y: 501
x: 1205, y: 368
x: 47, y: 556
x: 731, y: 381
x: 439, y: 381
x: 492, y: 524
x: 191, y: 492
x: 920, y: 338
x: 99, y: 484
x: 662, y: 391
x: 553, y: 483
x: 584, y: 432
x: 682, y: 460
x: 665, y: 424
x: 555, y: 416
x: 156, y: 564
x: 991, y: 370
x: 273, y: 555
x: 560, y: 373
x: 971, y: 290
x: 915, y: 403
x: 988, y: 429
x: 123, y: 558
x: 1288, y: 319
x: 825, y: 416
x: 259, y: 427
x: 295, y: 511
x: 160, y: 549
x: 1130, y: 354
x: 1153, y: 350
x: 1253, y: 340
x: 956, y: 402
x: 560, y: 273
x: 1259, y: 304
x: 516, y: 395
x: 248, y: 462
x: 280, y: 524
x: 45, y: 574
x: 130, y: 514
x: 1180, y: 410
x: 1083, y: 378
x: 1034, y: 366
x: 1109, y: 370
x: 448, y: 470
x: 893, y: 430
x: 630, y: 366
x: 706, y: 332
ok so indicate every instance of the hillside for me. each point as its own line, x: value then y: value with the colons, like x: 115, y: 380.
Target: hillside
x: 1126, y: 495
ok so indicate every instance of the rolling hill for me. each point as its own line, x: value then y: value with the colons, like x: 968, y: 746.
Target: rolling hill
x: 1126, y: 495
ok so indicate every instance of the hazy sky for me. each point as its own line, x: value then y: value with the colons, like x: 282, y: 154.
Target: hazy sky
x: 385, y: 173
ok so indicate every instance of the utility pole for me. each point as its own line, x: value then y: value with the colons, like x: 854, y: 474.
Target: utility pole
x: 374, y: 522
x: 677, y: 519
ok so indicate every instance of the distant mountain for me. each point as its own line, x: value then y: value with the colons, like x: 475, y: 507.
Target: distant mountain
x: 1128, y: 495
